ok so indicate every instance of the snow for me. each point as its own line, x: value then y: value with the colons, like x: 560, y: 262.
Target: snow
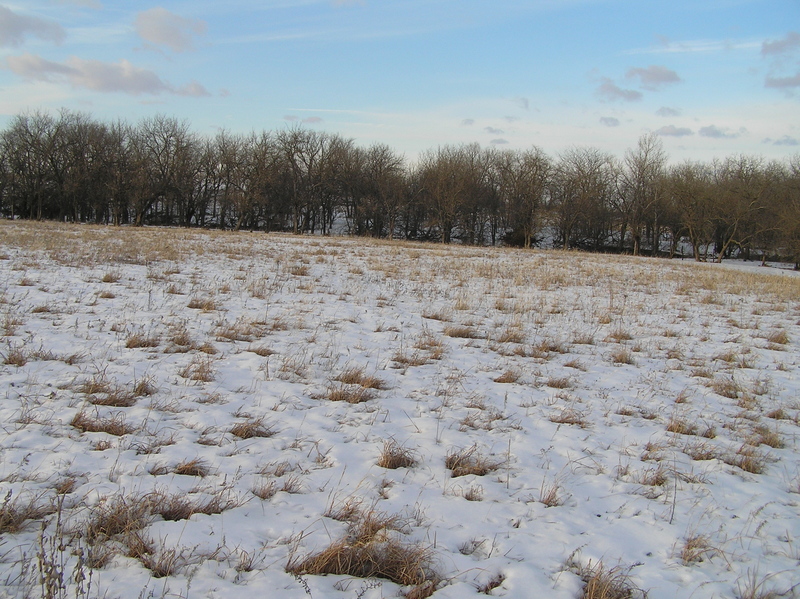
x: 614, y: 350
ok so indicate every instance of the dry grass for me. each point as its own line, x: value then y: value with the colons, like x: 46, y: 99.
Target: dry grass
x: 16, y: 511
x: 180, y: 506
x: 601, y: 582
x: 696, y: 548
x: 622, y: 355
x: 372, y: 548
x: 194, y: 467
x: 15, y: 356
x: 252, y: 428
x: 139, y: 340
x: 748, y: 458
x: 200, y: 369
x: 393, y: 456
x: 495, y: 581
x: 203, y: 304
x: 468, y: 461
x: 117, y: 515
x: 509, y: 376
x: 569, y: 416
x: 681, y: 426
x: 352, y: 394
x: 113, y: 425
x: 357, y: 376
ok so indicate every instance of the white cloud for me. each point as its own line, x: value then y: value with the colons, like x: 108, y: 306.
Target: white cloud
x: 312, y: 120
x: 783, y: 141
x: 122, y: 77
x: 653, y: 77
x: 499, y: 142
x: 493, y: 131
x: 14, y: 28
x: 609, y: 90
x: 717, y: 132
x: 162, y: 28
x: 783, y: 45
x: 609, y: 121
x: 673, y: 131
x: 783, y: 82
x: 667, y: 111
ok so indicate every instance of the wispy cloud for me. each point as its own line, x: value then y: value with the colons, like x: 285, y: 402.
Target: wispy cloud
x: 653, y: 77
x: 608, y: 90
x: 162, y: 28
x: 696, y: 46
x: 467, y: 122
x: 14, y: 28
x: 493, y: 131
x: 673, y: 131
x: 95, y: 75
x: 609, y: 121
x: 499, y: 142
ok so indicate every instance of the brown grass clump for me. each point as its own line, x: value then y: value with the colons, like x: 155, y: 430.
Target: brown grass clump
x: 357, y: 376
x: 15, y: 356
x: 747, y: 458
x: 265, y: 489
x: 622, y: 355
x: 352, y: 394
x: 139, y: 340
x: 681, y: 427
x: 778, y: 337
x: 204, y: 304
x: 117, y: 515
x: 195, y: 467
x: 461, y: 332
x: 252, y: 428
x: 569, y: 416
x: 468, y: 461
x: 695, y: 549
x: 491, y: 584
x: 600, y: 582
x: 395, y: 456
x: 114, y: 425
x: 372, y: 548
x: 182, y: 507
x: 15, y: 512
x: 199, y: 369
x: 509, y: 376
x: 511, y: 334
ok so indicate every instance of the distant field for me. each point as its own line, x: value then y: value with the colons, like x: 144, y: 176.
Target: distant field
x: 195, y: 413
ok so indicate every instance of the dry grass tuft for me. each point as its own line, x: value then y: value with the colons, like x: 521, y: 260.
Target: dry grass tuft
x: 695, y: 549
x: 138, y: 340
x: 252, y: 428
x: 393, y: 456
x: 182, y: 507
x: 600, y: 582
x: 352, y: 394
x: 681, y: 427
x: 113, y: 425
x: 622, y: 355
x: 569, y: 416
x: 15, y: 356
x: 468, y: 461
x: 195, y: 467
x: 748, y: 458
x: 461, y: 332
x: 372, y: 548
x: 509, y: 376
x: 491, y: 584
x: 357, y: 376
x: 16, y: 511
x: 117, y: 515
x: 204, y: 304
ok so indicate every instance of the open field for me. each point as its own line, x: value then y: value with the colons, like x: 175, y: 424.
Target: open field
x: 211, y: 414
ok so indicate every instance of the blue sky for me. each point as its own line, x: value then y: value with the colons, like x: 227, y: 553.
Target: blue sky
x: 712, y: 77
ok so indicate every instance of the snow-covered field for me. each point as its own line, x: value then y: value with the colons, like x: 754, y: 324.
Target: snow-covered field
x: 190, y: 412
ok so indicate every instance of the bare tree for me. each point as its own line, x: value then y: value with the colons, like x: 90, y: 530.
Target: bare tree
x: 523, y: 180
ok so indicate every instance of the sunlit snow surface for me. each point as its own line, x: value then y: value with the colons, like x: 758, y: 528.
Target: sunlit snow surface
x: 603, y: 354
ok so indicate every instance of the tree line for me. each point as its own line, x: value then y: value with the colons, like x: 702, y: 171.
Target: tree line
x: 159, y: 172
